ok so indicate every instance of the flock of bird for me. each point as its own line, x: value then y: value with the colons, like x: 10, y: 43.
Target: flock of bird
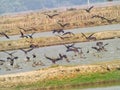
x: 100, y: 46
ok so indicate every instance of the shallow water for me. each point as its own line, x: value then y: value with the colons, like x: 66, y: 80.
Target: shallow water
x: 104, y: 88
x: 53, y: 51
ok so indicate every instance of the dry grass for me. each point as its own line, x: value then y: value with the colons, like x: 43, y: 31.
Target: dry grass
x: 48, y: 41
x: 59, y: 72
x: 76, y: 18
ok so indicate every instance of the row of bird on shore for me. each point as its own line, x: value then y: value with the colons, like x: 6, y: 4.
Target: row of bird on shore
x: 100, y: 46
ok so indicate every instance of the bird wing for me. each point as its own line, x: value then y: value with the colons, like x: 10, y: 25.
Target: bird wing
x: 54, y: 15
x: 68, y: 33
x: 106, y: 44
x: 60, y: 24
x: 48, y: 57
x: 49, y: 15
x: 91, y: 35
x: 65, y: 24
x: 21, y: 33
x: 22, y: 50
x: 90, y: 8
x: 29, y: 49
x: 32, y: 33
x: 95, y: 48
x: 61, y: 30
x: 6, y: 35
x: 84, y: 35
x: 60, y: 37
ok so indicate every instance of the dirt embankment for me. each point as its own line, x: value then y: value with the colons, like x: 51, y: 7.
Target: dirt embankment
x: 48, y: 41
x: 75, y: 17
x: 59, y: 72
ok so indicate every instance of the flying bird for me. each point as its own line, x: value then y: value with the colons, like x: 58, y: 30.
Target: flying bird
x: 10, y: 53
x: 70, y: 33
x: 69, y: 46
x: 63, y: 25
x: 26, y: 51
x: 90, y: 37
x: 89, y: 9
x: 2, y: 62
x: 58, y: 31
x: 31, y: 35
x: 4, y: 34
x: 62, y: 37
x: 54, y: 60
x: 26, y: 30
x: 12, y: 60
x: 22, y: 35
x: 51, y: 16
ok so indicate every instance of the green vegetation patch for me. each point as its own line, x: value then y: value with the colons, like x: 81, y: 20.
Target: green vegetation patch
x: 85, y: 80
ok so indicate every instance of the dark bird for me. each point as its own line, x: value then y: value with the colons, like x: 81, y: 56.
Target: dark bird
x: 26, y: 51
x: 34, y: 56
x: 70, y: 33
x: 63, y: 25
x: 100, y: 47
x: 90, y: 37
x: 2, y: 62
x: 111, y: 20
x: 22, y: 35
x: 103, y: 18
x: 12, y: 60
x: 10, y: 53
x: 64, y: 56
x: 75, y: 50
x: 28, y: 58
x: 4, y: 34
x: 31, y: 35
x: 34, y: 46
x: 88, y: 51
x: 97, y: 49
x: 62, y: 37
x: 51, y: 16
x: 99, y: 44
x: 30, y: 29
x: 69, y: 46
x: 89, y: 9
x: 58, y: 31
x: 54, y: 60
x: 98, y: 16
